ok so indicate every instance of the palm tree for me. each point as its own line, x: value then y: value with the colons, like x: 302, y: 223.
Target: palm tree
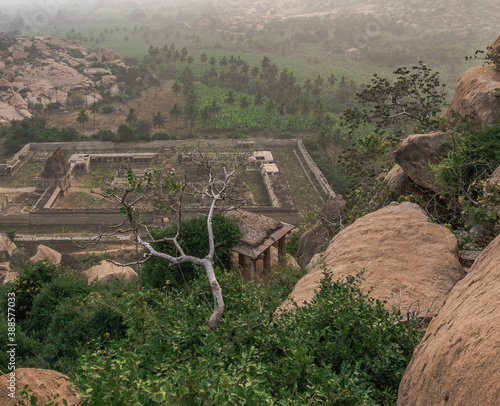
x: 82, y: 119
x: 230, y: 101
x: 176, y: 88
x: 94, y: 108
x: 259, y: 101
x: 132, y: 117
x: 214, y: 111
x: 159, y: 120
x: 191, y: 109
x: 176, y: 113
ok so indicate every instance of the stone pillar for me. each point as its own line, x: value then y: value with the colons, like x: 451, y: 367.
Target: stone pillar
x: 252, y: 270
x: 267, y: 262
x: 241, y: 261
x: 282, y: 250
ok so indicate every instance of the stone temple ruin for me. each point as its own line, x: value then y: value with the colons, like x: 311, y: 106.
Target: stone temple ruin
x: 56, y: 174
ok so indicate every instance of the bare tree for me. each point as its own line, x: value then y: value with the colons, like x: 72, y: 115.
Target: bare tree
x: 221, y: 170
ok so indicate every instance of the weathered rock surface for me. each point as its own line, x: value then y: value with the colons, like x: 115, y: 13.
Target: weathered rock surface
x: 8, y: 277
x: 45, y: 384
x: 106, y: 271
x: 476, y: 94
x: 7, y: 247
x: 457, y: 361
x: 403, y: 254
x: 46, y: 253
x: 417, y: 153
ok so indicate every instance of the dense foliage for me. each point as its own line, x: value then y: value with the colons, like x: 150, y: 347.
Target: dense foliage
x: 23, y: 132
x: 343, y: 349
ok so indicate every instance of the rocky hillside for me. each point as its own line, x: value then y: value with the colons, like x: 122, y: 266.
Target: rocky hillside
x: 44, y: 70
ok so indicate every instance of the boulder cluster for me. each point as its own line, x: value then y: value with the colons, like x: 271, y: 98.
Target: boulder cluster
x: 43, y: 70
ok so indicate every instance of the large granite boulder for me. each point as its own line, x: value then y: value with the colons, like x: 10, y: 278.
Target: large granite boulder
x: 417, y: 153
x: 45, y: 384
x: 457, y: 361
x: 7, y: 247
x: 106, y: 271
x: 44, y: 253
x: 406, y: 258
x: 477, y: 94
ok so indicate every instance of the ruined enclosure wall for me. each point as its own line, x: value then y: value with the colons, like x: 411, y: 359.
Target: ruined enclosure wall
x: 16, y: 161
x: 317, y: 172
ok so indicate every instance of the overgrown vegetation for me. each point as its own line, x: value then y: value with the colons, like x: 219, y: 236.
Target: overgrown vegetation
x: 127, y: 345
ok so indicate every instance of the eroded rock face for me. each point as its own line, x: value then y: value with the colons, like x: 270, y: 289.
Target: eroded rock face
x: 46, y: 253
x: 45, y: 384
x: 106, y: 271
x: 476, y: 94
x: 403, y: 254
x: 457, y: 361
x: 417, y: 153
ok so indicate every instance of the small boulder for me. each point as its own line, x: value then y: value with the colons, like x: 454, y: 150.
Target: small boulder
x: 404, y: 255
x: 7, y: 247
x: 8, y: 277
x: 45, y: 253
x: 457, y: 361
x: 45, y: 384
x: 5, y: 268
x: 106, y: 271
x: 417, y: 153
x: 18, y: 55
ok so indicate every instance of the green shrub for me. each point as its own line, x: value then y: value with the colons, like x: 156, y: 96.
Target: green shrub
x: 342, y: 349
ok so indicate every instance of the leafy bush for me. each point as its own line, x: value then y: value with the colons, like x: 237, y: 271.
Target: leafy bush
x: 471, y: 157
x: 342, y: 349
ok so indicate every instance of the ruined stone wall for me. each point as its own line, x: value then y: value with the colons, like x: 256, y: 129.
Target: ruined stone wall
x: 14, y: 163
x: 317, y: 172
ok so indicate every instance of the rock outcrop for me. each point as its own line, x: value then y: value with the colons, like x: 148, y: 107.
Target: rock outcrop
x: 49, y: 71
x: 7, y: 247
x: 404, y: 255
x: 457, y: 361
x: 477, y: 94
x: 106, y: 271
x: 44, y: 253
x: 417, y: 153
x: 45, y: 384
